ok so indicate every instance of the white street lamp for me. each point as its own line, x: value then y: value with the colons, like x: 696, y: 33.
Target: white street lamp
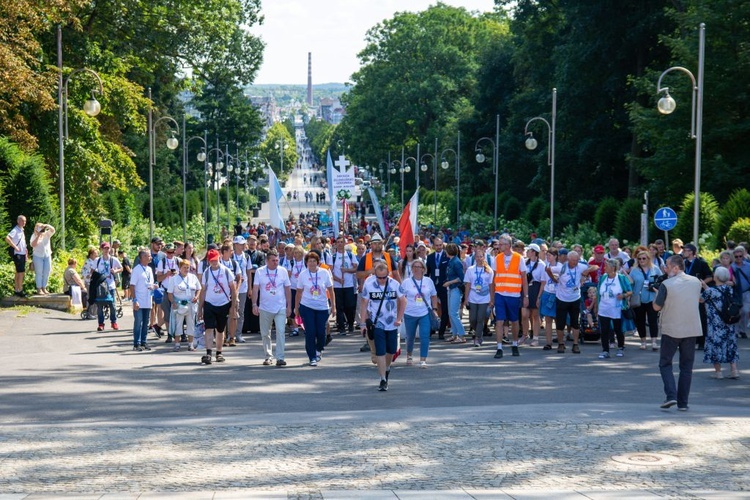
x: 201, y: 157
x: 531, y: 145
x: 172, y: 144
x: 667, y: 105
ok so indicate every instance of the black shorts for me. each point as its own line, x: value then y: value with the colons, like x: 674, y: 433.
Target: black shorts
x: 216, y: 316
x: 125, y: 282
x: 565, y: 310
x: 20, y: 261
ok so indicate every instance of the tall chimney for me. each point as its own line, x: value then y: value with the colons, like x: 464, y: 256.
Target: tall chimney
x: 309, y: 79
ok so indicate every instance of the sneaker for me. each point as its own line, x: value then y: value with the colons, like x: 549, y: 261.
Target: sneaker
x: 313, y: 362
x: 115, y: 326
x: 176, y: 347
x: 423, y: 364
x: 365, y: 348
x: 514, y: 351
x: 654, y: 346
x: 100, y: 328
x: 383, y: 386
x: 145, y: 347
x: 612, y: 345
x: 499, y: 354
x: 232, y: 343
x: 561, y: 348
x: 410, y: 360
x: 604, y: 355
x: 183, y: 338
x: 717, y: 375
x: 318, y: 358
x: 280, y: 362
x: 669, y: 403
x: 137, y: 348
x: 682, y: 408
x: 267, y: 362
x: 534, y: 343
x: 206, y: 359
x: 522, y: 341
x: 643, y: 346
x: 219, y: 357
x: 506, y: 340
x: 191, y: 348
x: 157, y: 330
x: 620, y: 353
x: 240, y: 339
x: 295, y: 333
x: 576, y: 349
x: 547, y: 347
x: 169, y: 339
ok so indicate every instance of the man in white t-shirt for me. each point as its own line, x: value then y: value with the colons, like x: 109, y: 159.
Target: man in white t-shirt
x: 108, y: 266
x: 344, y: 270
x: 17, y: 241
x: 142, y: 284
x: 217, y: 302
x: 272, y: 302
x: 568, y: 299
x: 383, y: 305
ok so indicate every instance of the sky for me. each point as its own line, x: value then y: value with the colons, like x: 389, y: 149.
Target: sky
x: 333, y: 30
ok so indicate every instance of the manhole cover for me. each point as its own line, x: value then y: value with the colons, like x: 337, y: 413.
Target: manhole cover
x: 646, y: 459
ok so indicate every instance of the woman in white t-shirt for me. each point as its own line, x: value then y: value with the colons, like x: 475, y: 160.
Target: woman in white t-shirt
x: 297, y: 265
x: 613, y: 291
x: 535, y: 274
x: 42, y: 255
x: 183, y: 290
x: 479, y: 294
x: 314, y: 289
x: 546, y: 301
x: 421, y: 296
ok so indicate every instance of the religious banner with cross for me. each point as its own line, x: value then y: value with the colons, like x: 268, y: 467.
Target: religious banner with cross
x: 342, y: 179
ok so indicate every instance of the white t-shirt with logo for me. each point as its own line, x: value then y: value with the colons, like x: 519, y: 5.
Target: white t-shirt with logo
x: 242, y: 262
x: 609, y: 289
x: 296, y: 269
x: 272, y: 288
x: 373, y: 292
x: 314, y: 286
x: 141, y: 280
x: 216, y: 282
x: 480, y: 280
x: 549, y: 285
x: 569, y: 282
x: 417, y: 306
x: 184, y: 288
x: 348, y: 260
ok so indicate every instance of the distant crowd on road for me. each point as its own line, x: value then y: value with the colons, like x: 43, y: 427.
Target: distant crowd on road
x: 296, y: 281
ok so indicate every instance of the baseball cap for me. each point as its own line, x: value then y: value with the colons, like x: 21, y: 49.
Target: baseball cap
x: 598, y: 249
x: 212, y: 255
x: 169, y: 247
x: 562, y: 251
x: 104, y: 244
x: 239, y: 240
x: 480, y: 243
x: 156, y: 239
x: 116, y: 242
x: 534, y: 247
x: 376, y: 237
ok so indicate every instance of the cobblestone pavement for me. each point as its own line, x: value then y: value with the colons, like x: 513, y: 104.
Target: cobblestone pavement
x: 314, y: 445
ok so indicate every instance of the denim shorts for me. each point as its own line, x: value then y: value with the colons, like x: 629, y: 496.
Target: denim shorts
x: 386, y: 341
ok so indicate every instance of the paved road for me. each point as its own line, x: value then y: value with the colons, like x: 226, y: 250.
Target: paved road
x: 81, y: 413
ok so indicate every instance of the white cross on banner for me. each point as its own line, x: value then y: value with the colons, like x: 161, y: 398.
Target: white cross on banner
x: 342, y: 178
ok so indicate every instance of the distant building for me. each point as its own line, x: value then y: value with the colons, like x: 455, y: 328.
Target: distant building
x: 331, y: 110
x: 269, y: 111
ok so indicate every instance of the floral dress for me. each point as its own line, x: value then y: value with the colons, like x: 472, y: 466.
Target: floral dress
x: 721, y: 340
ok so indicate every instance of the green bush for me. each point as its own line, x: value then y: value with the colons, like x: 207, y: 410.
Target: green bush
x: 709, y: 211
x: 584, y: 211
x: 512, y: 208
x: 740, y: 230
x: 536, y: 210
x: 584, y: 234
x: 606, y: 215
x: 628, y: 220
x: 736, y: 207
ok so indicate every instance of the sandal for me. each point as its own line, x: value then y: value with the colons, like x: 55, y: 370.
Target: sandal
x: 576, y: 349
x: 459, y: 340
x: 409, y: 361
x: 451, y: 338
x: 548, y: 347
x: 219, y: 358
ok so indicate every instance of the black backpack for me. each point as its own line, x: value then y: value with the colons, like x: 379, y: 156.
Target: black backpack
x: 731, y: 303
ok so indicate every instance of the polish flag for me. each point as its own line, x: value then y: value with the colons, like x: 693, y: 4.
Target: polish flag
x: 407, y: 224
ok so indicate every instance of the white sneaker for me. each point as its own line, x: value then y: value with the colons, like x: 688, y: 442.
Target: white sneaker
x: 620, y: 353
x: 423, y: 364
x: 717, y: 375
x: 654, y: 346
x: 241, y: 339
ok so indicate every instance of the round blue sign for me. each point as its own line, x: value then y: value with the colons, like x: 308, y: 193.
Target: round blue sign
x: 665, y: 219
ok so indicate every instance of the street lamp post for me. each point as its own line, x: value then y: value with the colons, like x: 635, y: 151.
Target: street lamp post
x: 480, y: 157
x: 531, y: 144
x: 219, y: 165
x: 172, y: 143
x: 445, y: 165
x: 667, y: 104
x: 91, y: 107
x: 281, y: 146
x: 201, y: 157
x: 423, y: 167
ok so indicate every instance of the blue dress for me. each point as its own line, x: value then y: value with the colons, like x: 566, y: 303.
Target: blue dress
x: 721, y: 340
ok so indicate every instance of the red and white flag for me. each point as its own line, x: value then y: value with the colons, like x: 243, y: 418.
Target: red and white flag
x: 407, y: 224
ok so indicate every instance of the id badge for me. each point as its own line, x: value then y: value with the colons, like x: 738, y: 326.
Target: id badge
x: 217, y: 289
x: 418, y: 299
x: 315, y: 293
x: 272, y: 291
x: 478, y: 288
x: 268, y: 287
x: 437, y: 272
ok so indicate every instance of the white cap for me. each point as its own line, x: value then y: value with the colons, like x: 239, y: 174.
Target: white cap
x: 376, y: 237
x: 239, y: 240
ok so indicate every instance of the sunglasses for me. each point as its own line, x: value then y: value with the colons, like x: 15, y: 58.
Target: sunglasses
x: 382, y: 277
x: 642, y: 258
x: 739, y: 256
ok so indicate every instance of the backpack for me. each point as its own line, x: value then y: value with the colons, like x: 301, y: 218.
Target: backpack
x: 731, y: 303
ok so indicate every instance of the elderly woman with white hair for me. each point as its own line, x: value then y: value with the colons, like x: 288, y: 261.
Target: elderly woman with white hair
x: 721, y: 340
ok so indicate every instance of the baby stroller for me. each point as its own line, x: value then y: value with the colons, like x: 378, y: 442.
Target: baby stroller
x: 590, y: 331
x: 97, y: 288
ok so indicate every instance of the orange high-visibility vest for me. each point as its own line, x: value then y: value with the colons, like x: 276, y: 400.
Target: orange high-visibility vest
x: 368, y: 261
x: 508, y: 280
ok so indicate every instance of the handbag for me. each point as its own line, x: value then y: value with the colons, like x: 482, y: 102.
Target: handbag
x: 434, y: 321
x: 627, y: 314
x: 370, y: 324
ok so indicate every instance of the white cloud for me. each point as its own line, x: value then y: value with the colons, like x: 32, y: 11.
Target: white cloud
x: 333, y: 30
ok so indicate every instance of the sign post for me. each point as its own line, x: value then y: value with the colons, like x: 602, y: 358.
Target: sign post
x: 665, y: 219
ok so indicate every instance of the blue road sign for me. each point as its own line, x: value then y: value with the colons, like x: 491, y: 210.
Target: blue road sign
x: 665, y: 219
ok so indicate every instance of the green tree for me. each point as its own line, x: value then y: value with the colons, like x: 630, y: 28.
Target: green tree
x: 709, y: 211
x: 271, y: 149
x: 736, y: 207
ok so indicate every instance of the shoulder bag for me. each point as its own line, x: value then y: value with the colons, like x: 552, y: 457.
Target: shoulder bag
x: 370, y: 324
x: 434, y: 321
